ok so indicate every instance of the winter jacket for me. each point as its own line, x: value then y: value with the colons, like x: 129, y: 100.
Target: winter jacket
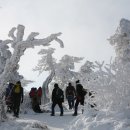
x: 17, y: 96
x: 57, y: 95
x: 70, y: 91
x: 39, y: 92
x: 79, y: 92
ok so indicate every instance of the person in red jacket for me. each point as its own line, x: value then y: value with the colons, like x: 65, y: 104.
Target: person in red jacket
x: 32, y: 92
x: 39, y: 95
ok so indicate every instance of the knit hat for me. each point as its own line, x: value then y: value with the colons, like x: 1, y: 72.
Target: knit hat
x: 77, y: 81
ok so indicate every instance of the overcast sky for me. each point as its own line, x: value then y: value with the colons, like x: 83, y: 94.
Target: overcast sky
x: 86, y: 25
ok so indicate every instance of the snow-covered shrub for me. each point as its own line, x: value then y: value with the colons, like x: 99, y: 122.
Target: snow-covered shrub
x: 111, y: 82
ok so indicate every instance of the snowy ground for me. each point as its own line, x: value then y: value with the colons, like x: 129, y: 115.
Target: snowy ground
x: 38, y: 121
x: 56, y: 122
x: 90, y: 120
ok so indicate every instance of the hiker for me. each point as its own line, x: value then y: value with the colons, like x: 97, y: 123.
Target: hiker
x: 8, y: 98
x: 35, y: 103
x: 39, y: 94
x: 57, y: 98
x: 34, y: 100
x: 17, y: 97
x: 80, y: 96
x: 70, y: 94
x: 32, y: 93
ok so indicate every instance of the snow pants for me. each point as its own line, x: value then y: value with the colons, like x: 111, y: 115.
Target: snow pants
x: 70, y: 101
x: 60, y: 106
x: 16, y: 106
x: 81, y: 101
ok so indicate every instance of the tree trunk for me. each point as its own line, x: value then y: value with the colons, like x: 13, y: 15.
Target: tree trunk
x: 45, y: 90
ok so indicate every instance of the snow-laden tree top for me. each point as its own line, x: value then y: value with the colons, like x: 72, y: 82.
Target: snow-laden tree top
x: 19, y: 45
x: 121, y: 41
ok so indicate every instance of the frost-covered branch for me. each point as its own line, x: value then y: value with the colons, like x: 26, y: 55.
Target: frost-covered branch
x: 19, y: 45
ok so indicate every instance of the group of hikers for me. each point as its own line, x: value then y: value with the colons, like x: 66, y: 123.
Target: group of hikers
x: 74, y: 96
x: 71, y: 93
x: 35, y: 95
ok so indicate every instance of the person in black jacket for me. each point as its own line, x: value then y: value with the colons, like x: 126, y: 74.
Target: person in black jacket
x: 70, y: 94
x: 57, y: 98
x: 17, y: 98
x: 79, y: 96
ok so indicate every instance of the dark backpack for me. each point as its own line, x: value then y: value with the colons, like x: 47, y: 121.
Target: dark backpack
x: 60, y: 94
x: 70, y: 91
x: 9, y: 89
x: 84, y: 92
x: 7, y: 92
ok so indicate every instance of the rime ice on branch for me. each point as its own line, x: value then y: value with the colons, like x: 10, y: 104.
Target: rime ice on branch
x: 121, y: 41
x: 61, y: 72
x: 19, y: 46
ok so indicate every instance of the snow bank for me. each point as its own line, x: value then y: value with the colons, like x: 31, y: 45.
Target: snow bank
x: 101, y: 120
x: 21, y: 124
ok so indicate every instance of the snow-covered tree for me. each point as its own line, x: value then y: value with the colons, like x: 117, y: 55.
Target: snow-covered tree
x: 112, y: 80
x: 112, y: 86
x: 46, y: 63
x: 121, y: 41
x: 65, y: 70
x: 60, y: 72
x: 86, y: 73
x: 19, y: 45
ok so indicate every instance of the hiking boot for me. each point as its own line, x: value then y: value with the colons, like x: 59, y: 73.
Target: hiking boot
x: 75, y: 114
x: 14, y: 115
x: 52, y: 114
x: 70, y: 107
x: 17, y: 116
x: 61, y: 114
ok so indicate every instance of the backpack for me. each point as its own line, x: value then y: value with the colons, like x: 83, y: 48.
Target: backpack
x: 70, y: 91
x: 60, y: 95
x: 17, y: 89
x: 32, y: 92
x: 7, y: 92
x: 84, y: 92
x: 9, y: 89
x: 39, y: 92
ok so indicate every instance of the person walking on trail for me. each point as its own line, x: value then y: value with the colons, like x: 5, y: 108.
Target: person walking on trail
x: 80, y: 96
x: 8, y: 98
x: 57, y: 98
x: 35, y: 100
x: 17, y: 98
x: 39, y: 95
x: 32, y: 92
x: 35, y: 103
x: 70, y: 95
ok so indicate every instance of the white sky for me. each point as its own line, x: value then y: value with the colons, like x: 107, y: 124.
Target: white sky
x: 86, y: 25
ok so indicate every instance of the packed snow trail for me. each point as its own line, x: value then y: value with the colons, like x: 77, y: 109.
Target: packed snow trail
x: 53, y: 122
